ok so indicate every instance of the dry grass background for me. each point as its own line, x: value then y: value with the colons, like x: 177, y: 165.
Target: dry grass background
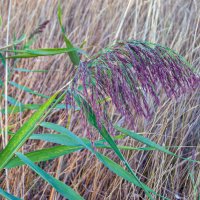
x: 174, y: 23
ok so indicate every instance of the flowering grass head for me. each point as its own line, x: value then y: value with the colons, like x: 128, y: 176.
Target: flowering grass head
x: 128, y: 73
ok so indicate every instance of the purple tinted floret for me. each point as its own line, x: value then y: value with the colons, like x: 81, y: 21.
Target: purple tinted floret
x: 127, y: 74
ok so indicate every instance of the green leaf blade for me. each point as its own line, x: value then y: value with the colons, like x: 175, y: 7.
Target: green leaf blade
x: 8, y: 196
x: 89, y: 113
x: 43, y: 155
x: 23, y: 133
x: 114, y: 167
x: 73, y: 55
x: 59, y: 186
x: 26, y: 89
x: 150, y: 143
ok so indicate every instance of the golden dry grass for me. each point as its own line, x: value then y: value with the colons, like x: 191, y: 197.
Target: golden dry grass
x: 174, y: 23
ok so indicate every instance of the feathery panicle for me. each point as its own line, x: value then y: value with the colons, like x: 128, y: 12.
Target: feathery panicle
x: 39, y: 29
x: 127, y: 73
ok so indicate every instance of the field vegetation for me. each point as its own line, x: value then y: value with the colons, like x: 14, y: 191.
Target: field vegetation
x: 100, y: 99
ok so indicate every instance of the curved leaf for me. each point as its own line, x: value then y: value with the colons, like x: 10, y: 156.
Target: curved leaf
x: 59, y: 186
x: 88, y: 146
x: 8, y: 196
x: 43, y: 155
x: 26, y: 89
x: 24, y: 132
x: 90, y: 115
x: 150, y: 143
x: 73, y: 55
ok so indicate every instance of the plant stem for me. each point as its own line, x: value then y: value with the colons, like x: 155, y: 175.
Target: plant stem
x: 5, y: 138
x: 122, y: 21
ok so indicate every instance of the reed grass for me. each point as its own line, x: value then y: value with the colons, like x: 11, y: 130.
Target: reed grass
x: 174, y: 125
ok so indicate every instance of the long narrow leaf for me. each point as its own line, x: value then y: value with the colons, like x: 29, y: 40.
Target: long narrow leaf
x: 1, y: 83
x: 88, y: 112
x: 73, y: 55
x: 57, y: 151
x: 66, y: 140
x: 24, y: 107
x: 42, y: 51
x: 63, y: 130
x: 117, y: 169
x: 87, y: 145
x: 24, y: 133
x: 62, y: 139
x: 44, y: 155
x: 8, y: 196
x: 3, y: 60
x: 148, y: 142
x: 13, y: 101
x: 60, y: 187
x: 17, y: 41
x: 29, y: 70
x: 26, y: 89
x: 31, y: 53
x: 22, y: 38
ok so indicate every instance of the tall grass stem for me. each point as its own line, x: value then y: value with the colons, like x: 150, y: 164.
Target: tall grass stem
x: 5, y: 138
x: 122, y: 20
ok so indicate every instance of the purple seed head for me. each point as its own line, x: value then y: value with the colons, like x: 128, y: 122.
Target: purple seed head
x: 127, y: 73
x: 39, y: 29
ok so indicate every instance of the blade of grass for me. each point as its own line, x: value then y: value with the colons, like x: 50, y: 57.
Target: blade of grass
x: 26, y: 89
x: 114, y: 167
x: 1, y: 83
x: 16, y: 42
x: 7, y: 195
x: 75, y: 139
x: 117, y: 169
x: 31, y: 53
x: 59, y: 186
x: 3, y: 60
x: 56, y: 151
x: 24, y: 107
x: 44, y: 155
x: 16, y: 109
x: 22, y: 38
x: 66, y: 140
x: 62, y: 139
x: 73, y: 55
x: 24, y: 132
x: 51, y: 51
x: 24, y: 55
x: 42, y: 51
x: 148, y: 142
x: 28, y: 70
x: 87, y: 145
x: 13, y: 101
x: 88, y: 112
